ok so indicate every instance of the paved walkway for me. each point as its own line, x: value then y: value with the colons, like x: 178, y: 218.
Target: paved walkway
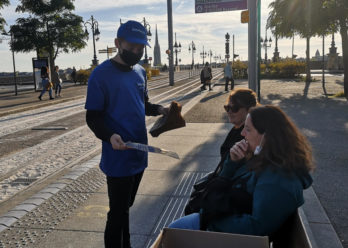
x: 26, y: 100
x: 78, y: 219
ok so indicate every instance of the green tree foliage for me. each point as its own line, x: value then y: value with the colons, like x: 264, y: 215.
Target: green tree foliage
x: 2, y: 20
x: 51, y: 28
x: 337, y: 11
x: 288, y: 68
x: 305, y: 18
x: 82, y: 76
x: 239, y: 69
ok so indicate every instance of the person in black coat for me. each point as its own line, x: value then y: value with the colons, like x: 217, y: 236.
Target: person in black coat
x: 237, y: 107
x: 206, y: 76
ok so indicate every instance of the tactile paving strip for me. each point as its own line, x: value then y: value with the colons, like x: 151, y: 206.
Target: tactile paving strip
x: 174, y: 209
x: 35, y: 225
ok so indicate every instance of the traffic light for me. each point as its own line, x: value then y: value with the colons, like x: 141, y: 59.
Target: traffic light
x: 227, y: 48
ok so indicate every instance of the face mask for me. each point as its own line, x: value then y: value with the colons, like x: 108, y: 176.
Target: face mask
x: 259, y: 147
x: 130, y: 58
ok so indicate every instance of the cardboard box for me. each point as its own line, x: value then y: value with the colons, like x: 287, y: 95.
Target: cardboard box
x: 180, y: 238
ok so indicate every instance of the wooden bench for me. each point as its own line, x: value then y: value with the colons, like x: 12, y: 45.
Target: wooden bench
x: 295, y: 233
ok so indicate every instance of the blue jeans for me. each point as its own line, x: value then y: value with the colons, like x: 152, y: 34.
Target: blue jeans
x: 191, y: 222
x: 58, y: 88
x: 44, y: 83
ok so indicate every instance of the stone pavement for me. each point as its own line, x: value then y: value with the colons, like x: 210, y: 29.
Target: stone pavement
x: 166, y: 183
x: 26, y: 100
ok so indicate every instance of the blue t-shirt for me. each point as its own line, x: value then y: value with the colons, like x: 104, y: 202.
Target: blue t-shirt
x: 121, y: 96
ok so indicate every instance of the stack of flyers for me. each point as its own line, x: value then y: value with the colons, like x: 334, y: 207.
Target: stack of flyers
x: 147, y: 148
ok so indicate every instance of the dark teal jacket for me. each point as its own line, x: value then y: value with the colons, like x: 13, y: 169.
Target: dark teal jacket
x: 276, y: 195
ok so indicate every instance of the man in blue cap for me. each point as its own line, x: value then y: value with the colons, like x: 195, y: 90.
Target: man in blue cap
x: 116, y: 104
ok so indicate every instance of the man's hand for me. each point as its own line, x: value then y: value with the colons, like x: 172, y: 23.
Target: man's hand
x: 163, y: 111
x: 117, y: 142
x: 239, y: 150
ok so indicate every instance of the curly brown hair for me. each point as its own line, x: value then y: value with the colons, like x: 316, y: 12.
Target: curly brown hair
x: 284, y: 145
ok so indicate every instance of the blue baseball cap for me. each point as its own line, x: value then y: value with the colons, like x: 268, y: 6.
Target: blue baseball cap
x: 133, y: 31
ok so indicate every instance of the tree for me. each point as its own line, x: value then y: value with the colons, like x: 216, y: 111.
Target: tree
x: 338, y: 15
x: 302, y: 17
x: 2, y: 20
x: 51, y: 28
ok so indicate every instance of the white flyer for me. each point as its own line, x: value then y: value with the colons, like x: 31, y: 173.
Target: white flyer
x: 147, y: 148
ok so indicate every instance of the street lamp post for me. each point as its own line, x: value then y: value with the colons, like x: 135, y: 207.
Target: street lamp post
x: 227, y: 46
x: 13, y: 61
x: 265, y: 43
x: 148, y: 33
x: 95, y: 34
x: 217, y: 58
x: 276, y: 52
x: 177, y: 49
x: 203, y: 55
x: 192, y: 48
x: 210, y: 54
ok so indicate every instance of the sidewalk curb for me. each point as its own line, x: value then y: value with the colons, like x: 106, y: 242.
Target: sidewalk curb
x: 318, y: 222
x: 9, y: 218
x: 36, y: 106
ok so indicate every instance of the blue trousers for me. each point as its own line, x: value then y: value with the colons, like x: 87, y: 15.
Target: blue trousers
x: 44, y: 83
x: 191, y: 222
x: 58, y: 88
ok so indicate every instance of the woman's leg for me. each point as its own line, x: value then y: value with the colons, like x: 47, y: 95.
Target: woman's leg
x: 58, y: 89
x: 191, y: 222
x: 44, y: 82
x: 42, y: 92
x: 50, y: 93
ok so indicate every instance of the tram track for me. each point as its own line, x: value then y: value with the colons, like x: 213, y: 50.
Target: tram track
x: 163, y: 82
x: 46, y: 159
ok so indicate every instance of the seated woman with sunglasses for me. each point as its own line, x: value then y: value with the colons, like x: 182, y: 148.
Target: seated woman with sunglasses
x: 237, y: 106
x: 265, y: 173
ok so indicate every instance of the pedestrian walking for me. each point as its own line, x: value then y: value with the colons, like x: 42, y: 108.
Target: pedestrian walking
x: 57, y: 81
x: 228, y: 76
x: 73, y: 75
x: 116, y: 104
x: 206, y: 76
x: 46, y: 84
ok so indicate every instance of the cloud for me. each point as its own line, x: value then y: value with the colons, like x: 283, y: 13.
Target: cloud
x: 206, y: 30
x: 89, y: 5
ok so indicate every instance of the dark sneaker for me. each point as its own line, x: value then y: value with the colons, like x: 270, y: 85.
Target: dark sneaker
x: 51, y: 98
x: 40, y: 98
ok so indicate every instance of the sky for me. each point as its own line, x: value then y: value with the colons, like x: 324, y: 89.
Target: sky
x: 206, y: 29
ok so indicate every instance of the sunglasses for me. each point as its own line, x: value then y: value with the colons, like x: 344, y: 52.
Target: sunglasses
x: 234, y: 108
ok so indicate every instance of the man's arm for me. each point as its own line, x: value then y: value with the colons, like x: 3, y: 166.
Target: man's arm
x: 153, y: 109
x: 95, y: 121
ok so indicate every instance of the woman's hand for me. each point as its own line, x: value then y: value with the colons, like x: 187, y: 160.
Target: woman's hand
x: 117, y: 142
x: 239, y: 150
